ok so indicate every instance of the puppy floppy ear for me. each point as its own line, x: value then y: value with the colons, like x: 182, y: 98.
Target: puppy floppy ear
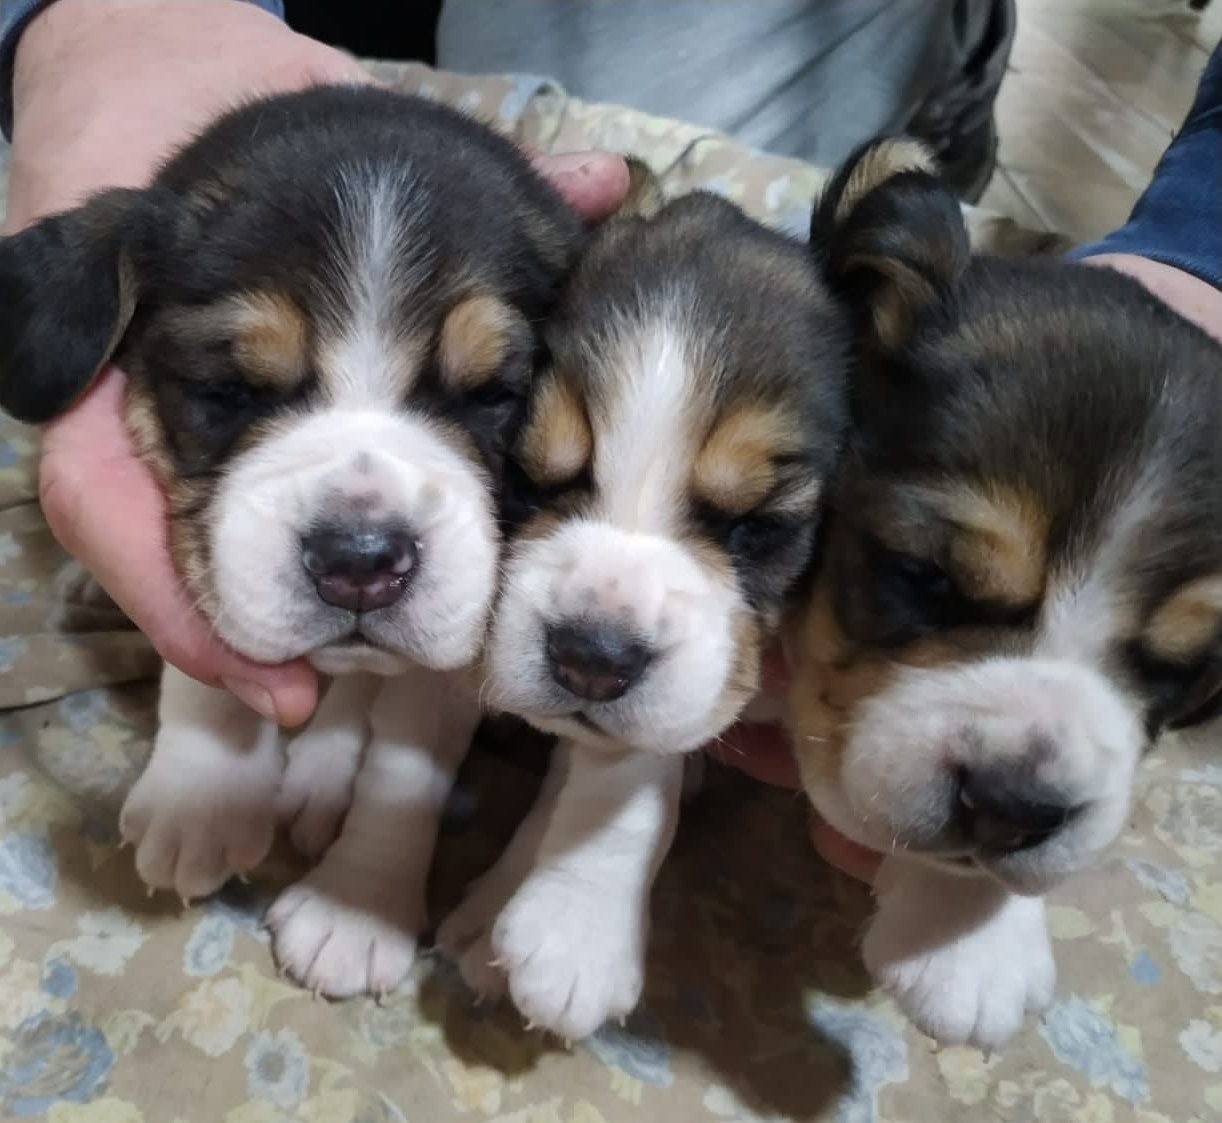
x: 68, y: 288
x: 891, y: 236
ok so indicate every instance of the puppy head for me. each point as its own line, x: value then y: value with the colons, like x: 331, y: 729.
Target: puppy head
x: 1023, y: 575
x: 327, y: 331
x: 666, y: 485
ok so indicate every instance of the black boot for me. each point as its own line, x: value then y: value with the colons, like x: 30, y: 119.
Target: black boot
x: 957, y: 121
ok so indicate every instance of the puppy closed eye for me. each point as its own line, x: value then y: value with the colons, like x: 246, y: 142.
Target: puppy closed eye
x: 911, y: 595
x: 204, y: 416
x: 752, y: 537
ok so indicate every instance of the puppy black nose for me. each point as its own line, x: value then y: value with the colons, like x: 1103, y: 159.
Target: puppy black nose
x: 1001, y: 811
x: 360, y: 568
x: 595, y: 662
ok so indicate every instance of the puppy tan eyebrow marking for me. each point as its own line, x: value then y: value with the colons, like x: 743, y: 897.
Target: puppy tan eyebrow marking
x: 271, y: 336
x: 477, y: 334
x: 736, y: 468
x: 1187, y: 621
x: 998, y: 544
x: 557, y: 443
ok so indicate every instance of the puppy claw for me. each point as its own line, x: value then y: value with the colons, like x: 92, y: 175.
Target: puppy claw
x: 529, y: 1025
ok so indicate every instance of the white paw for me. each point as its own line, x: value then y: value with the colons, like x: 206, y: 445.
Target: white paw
x: 315, y: 795
x: 340, y: 935
x: 196, y: 824
x: 973, y: 988
x: 572, y: 951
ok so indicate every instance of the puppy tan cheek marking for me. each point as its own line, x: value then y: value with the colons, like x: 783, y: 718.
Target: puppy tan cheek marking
x: 1185, y: 623
x: 146, y: 433
x: 558, y: 442
x: 475, y: 338
x: 735, y: 469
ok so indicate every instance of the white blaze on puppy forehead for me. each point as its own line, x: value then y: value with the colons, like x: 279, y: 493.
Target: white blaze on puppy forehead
x: 642, y: 457
x: 381, y: 251
x: 1088, y: 606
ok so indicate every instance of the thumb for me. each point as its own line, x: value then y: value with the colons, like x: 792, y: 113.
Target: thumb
x: 594, y: 183
x: 106, y: 509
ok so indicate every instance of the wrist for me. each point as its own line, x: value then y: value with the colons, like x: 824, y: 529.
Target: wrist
x: 69, y: 29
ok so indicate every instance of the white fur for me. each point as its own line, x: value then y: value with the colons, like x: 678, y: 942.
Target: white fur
x: 649, y: 584
x: 381, y: 249
x: 965, y: 960
x: 352, y: 924
x: 205, y: 807
x: 564, y: 915
x: 623, y: 563
x: 397, y: 467
x: 896, y: 788
x: 316, y: 791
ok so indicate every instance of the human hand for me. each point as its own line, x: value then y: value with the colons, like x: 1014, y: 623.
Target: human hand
x: 167, y: 69
x: 763, y: 751
x: 1191, y: 297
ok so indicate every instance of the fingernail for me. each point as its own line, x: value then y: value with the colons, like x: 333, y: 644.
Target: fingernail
x: 569, y: 163
x: 254, y: 695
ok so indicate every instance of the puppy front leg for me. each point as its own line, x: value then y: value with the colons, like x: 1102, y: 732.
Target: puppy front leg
x: 571, y: 940
x: 323, y: 761
x: 204, y: 809
x: 965, y: 959
x: 351, y: 925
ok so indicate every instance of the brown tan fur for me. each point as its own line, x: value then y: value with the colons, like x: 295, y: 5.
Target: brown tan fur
x: 997, y: 551
x: 736, y: 468
x: 475, y: 337
x: 557, y: 443
x: 271, y: 336
x: 1187, y: 622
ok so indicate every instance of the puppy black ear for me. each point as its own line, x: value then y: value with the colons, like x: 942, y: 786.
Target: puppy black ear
x: 68, y: 289
x: 891, y: 235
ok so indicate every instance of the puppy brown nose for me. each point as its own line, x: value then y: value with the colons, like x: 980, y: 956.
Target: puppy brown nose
x: 1004, y: 812
x: 594, y: 662
x: 360, y: 569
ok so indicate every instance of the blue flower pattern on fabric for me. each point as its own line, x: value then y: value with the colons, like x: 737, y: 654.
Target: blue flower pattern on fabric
x: 1080, y: 1037
x: 209, y: 947
x: 1144, y: 970
x: 59, y: 978
x: 12, y: 648
x: 638, y: 1047
x: 52, y: 1059
x: 876, y: 1053
x: 277, y: 1069
x: 27, y: 869
x: 83, y: 710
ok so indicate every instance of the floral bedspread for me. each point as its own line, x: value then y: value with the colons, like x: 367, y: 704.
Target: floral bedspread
x: 120, y: 1008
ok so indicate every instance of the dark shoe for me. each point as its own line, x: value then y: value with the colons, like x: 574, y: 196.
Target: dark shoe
x: 957, y: 121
